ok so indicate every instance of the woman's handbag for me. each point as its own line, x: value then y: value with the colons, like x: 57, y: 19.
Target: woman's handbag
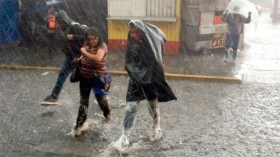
x: 76, y: 73
x: 104, y: 84
x: 106, y: 79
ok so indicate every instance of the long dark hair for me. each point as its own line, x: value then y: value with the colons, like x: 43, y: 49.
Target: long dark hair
x: 93, y: 31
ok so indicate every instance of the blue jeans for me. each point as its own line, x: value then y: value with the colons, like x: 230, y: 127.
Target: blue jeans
x: 66, y: 68
x: 232, y: 41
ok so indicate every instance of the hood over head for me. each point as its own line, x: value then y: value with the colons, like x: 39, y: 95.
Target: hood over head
x: 153, y: 35
x: 63, y: 16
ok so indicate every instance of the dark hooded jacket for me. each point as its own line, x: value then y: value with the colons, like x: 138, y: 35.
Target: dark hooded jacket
x: 71, y: 48
x: 143, y: 63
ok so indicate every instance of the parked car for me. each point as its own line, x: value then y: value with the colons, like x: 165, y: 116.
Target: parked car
x: 278, y: 14
x: 259, y: 9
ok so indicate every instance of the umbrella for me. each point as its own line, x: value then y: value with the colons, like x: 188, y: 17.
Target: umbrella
x: 44, y: 5
x: 245, y: 6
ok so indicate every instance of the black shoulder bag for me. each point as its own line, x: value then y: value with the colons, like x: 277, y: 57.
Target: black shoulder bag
x: 76, y: 73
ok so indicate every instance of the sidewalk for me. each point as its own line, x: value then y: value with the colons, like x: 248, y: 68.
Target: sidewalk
x: 257, y: 61
x: 187, y: 66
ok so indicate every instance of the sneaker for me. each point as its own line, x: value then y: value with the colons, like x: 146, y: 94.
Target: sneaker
x: 49, y: 101
x: 122, y: 144
x: 226, y: 59
x: 234, y: 57
x: 234, y: 60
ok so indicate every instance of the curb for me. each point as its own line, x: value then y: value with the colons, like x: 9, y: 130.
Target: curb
x: 205, y: 78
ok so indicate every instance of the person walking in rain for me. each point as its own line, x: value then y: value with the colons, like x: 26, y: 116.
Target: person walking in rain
x: 234, y: 22
x: 51, y: 30
x: 93, y: 64
x: 143, y: 63
x: 73, y: 41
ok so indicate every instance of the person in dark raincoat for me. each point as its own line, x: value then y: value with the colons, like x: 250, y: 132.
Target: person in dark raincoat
x: 143, y: 63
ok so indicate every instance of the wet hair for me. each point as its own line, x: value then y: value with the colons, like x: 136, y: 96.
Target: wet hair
x: 94, y: 31
x: 236, y: 8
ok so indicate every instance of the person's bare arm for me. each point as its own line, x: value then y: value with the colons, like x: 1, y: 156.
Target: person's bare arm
x: 95, y: 57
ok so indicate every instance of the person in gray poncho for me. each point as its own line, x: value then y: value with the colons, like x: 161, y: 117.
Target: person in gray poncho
x: 143, y: 63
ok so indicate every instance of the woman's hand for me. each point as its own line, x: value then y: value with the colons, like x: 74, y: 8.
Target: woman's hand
x: 83, y: 50
x: 78, y: 59
x: 69, y: 36
x: 249, y: 13
x: 226, y: 11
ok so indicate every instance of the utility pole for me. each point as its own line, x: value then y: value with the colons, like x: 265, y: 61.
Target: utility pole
x: 275, y: 11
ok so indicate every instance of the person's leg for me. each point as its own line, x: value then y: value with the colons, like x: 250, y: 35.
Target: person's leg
x: 104, y: 106
x: 53, y: 44
x: 153, y: 107
x: 235, y: 41
x: 227, y: 46
x: 50, y: 43
x: 66, y: 69
x: 128, y: 121
x: 81, y: 125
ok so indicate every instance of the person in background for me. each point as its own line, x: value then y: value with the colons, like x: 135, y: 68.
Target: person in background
x: 93, y: 64
x: 51, y: 30
x: 73, y: 40
x: 143, y: 63
x: 234, y: 22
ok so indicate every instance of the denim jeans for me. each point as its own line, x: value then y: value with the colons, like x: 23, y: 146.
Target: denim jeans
x: 66, y: 68
x: 232, y: 41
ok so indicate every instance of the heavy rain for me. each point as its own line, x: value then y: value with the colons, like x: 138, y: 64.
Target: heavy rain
x: 227, y: 104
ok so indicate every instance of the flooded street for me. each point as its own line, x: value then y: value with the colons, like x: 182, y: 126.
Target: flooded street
x: 208, y: 119
x: 260, y: 60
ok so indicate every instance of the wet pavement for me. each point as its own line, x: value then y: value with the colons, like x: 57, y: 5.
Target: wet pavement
x: 208, y: 119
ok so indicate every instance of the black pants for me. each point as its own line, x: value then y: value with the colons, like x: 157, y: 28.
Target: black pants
x: 51, y: 43
x: 86, y: 85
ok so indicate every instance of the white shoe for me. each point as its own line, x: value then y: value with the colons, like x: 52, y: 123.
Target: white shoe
x: 234, y: 61
x: 156, y: 134
x: 226, y: 59
x: 122, y: 144
x: 81, y: 130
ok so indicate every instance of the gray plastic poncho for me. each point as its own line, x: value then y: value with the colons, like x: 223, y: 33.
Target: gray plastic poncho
x: 143, y: 62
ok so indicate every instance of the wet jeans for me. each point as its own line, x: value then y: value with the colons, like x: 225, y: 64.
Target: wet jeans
x: 131, y: 110
x: 232, y: 41
x: 66, y: 68
x: 86, y: 85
